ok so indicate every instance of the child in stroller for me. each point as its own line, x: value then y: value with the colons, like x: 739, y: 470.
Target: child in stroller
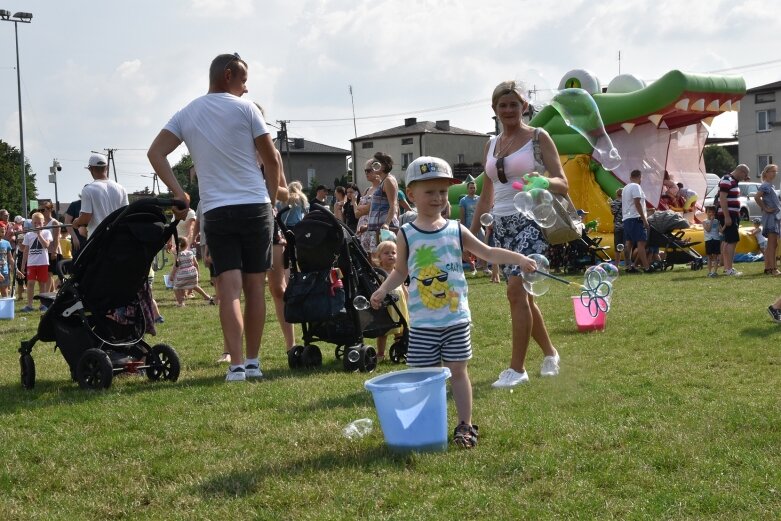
x: 329, y: 269
x: 98, y: 319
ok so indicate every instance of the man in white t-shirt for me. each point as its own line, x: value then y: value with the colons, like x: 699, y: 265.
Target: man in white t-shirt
x: 223, y: 132
x: 635, y: 222
x: 101, y: 197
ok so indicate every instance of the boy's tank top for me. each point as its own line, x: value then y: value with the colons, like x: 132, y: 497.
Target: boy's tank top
x: 438, y: 289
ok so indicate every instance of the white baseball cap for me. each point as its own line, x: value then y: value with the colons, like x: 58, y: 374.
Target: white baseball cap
x: 97, y: 160
x: 427, y: 167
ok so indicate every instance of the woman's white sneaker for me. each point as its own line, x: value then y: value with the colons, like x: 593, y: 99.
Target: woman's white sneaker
x: 550, y: 365
x: 510, y: 378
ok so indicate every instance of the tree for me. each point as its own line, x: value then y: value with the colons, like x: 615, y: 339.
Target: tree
x: 718, y: 160
x: 182, y: 171
x: 10, y: 182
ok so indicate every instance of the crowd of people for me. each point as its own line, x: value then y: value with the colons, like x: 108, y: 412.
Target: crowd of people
x: 408, y: 232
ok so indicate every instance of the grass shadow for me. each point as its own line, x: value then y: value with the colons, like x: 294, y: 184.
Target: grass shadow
x: 250, y: 481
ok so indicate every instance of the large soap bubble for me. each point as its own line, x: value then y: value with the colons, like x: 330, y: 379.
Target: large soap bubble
x: 543, y: 265
x: 487, y: 219
x: 376, y: 166
x: 538, y: 288
x: 594, y: 275
x: 611, y: 271
x: 523, y: 203
x: 542, y: 210
x: 581, y: 114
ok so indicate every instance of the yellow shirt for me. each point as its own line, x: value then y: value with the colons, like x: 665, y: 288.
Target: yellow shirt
x: 66, y: 247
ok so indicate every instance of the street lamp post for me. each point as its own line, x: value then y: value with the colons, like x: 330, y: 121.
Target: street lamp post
x: 24, y: 18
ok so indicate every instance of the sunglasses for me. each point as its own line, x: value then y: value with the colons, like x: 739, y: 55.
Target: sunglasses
x: 234, y: 58
x: 368, y: 170
x: 442, y: 277
x: 500, y: 170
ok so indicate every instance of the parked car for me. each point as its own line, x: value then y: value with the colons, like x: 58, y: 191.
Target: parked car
x: 748, y: 206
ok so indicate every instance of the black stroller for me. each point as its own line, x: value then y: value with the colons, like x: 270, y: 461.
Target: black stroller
x: 666, y: 231
x: 99, y: 316
x: 584, y: 252
x: 329, y: 269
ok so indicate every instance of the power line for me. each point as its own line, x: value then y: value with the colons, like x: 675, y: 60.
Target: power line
x: 397, y: 114
x: 748, y: 66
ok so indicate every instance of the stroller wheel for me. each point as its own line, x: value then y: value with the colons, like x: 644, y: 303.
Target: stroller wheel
x: 352, y: 358
x: 368, y: 362
x: 27, y: 365
x: 94, y: 370
x: 339, y: 352
x: 294, y: 356
x: 311, y: 357
x: 398, y: 351
x: 163, y: 362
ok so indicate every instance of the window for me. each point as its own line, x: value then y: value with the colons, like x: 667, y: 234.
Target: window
x: 762, y: 161
x: 367, y: 144
x: 406, y: 141
x: 765, y: 120
x: 406, y: 159
x: 310, y: 176
x: 764, y: 97
x: 460, y: 159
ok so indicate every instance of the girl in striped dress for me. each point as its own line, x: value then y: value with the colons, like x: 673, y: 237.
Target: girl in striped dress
x: 185, y: 274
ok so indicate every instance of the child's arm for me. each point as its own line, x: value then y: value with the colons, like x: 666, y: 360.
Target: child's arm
x: 495, y: 255
x: 26, y: 250
x: 707, y: 225
x: 397, y: 276
x: 42, y: 238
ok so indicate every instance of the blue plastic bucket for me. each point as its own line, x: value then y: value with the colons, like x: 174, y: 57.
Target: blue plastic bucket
x: 412, y: 408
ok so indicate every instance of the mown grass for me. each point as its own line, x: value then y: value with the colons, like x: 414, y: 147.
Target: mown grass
x: 671, y: 413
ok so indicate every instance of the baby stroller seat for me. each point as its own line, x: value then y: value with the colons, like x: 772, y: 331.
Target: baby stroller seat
x: 99, y: 316
x: 328, y: 269
x: 666, y: 231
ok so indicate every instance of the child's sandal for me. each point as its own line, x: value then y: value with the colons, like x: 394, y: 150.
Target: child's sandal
x: 465, y: 436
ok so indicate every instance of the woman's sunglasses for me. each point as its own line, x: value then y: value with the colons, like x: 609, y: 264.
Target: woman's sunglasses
x: 500, y: 170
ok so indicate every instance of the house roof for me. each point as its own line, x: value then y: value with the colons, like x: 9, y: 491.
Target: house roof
x: 420, y: 127
x: 776, y: 85
x: 310, y: 147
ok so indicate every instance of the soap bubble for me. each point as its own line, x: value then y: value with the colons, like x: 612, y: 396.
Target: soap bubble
x: 523, y: 203
x: 619, y: 248
x: 611, y: 271
x: 538, y: 288
x: 361, y: 303
x: 543, y: 265
x: 376, y: 166
x: 594, y: 275
x: 580, y: 112
x: 486, y: 219
x: 542, y: 211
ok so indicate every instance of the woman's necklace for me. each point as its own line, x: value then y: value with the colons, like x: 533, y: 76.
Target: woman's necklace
x: 502, y: 152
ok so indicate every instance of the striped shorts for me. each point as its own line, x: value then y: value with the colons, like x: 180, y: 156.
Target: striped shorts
x: 430, y: 346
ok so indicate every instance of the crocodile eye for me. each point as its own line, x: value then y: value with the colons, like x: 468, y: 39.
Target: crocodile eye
x: 581, y: 79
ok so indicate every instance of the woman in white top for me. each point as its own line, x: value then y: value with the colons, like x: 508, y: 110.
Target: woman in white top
x: 509, y: 156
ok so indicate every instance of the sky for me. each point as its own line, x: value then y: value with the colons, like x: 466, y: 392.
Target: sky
x: 101, y: 75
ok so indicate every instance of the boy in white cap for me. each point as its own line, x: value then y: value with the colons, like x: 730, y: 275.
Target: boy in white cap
x: 429, y: 250
x: 101, y: 197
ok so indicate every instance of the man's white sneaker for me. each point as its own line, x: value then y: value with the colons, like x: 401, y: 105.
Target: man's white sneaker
x: 550, y: 365
x: 253, y: 371
x: 510, y: 378
x: 237, y: 374
x: 733, y: 272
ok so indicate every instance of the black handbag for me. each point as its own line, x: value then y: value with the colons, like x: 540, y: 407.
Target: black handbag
x: 312, y: 297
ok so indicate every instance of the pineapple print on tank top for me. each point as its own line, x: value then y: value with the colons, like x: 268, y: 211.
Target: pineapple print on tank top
x: 437, y: 290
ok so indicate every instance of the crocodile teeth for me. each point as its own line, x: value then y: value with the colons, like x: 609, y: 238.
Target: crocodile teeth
x: 713, y: 106
x: 727, y: 105
x: 708, y: 121
x: 682, y: 104
x: 655, y: 119
x: 736, y: 106
x: 628, y: 127
x: 699, y: 105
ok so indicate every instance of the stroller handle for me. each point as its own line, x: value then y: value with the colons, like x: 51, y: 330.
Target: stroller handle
x: 165, y: 201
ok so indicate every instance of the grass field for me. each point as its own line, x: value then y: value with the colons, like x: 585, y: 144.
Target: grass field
x: 671, y: 413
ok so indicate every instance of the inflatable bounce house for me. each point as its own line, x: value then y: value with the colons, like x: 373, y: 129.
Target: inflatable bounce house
x: 655, y: 128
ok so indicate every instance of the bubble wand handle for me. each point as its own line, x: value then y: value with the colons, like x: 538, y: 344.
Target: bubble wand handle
x: 559, y: 279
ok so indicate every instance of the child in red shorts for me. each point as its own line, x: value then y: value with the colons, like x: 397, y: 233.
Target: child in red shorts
x: 36, y: 259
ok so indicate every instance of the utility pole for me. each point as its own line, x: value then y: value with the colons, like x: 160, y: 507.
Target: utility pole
x: 56, y: 167
x: 352, y: 102
x: 283, y: 135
